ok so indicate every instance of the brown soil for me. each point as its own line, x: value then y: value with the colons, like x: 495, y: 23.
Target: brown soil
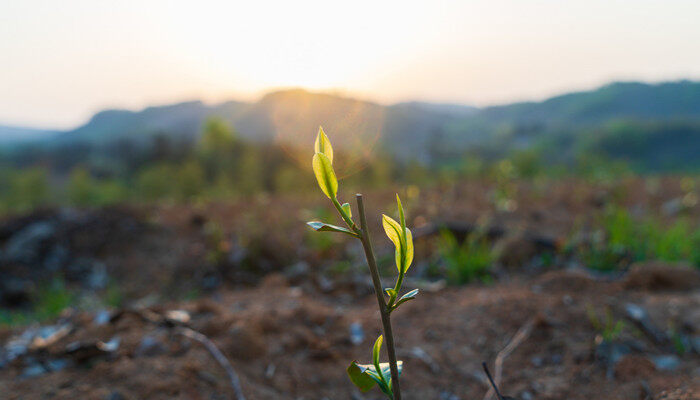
x: 288, y: 344
x: 288, y: 335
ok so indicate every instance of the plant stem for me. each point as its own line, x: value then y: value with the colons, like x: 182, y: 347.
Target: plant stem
x: 383, y: 310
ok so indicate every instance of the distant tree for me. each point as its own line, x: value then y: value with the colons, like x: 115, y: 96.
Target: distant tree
x: 155, y: 182
x: 81, y: 188
x: 190, y: 181
x: 28, y: 188
x: 217, y: 148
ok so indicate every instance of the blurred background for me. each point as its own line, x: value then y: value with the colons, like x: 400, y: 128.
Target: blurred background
x: 158, y: 154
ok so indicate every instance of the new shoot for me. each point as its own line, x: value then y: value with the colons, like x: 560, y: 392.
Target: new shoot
x: 383, y: 375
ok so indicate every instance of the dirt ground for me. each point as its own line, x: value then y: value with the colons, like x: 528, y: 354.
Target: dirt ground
x: 287, y: 344
x: 290, y: 335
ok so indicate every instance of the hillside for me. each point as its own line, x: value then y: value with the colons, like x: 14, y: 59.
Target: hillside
x: 429, y: 132
x: 15, y: 134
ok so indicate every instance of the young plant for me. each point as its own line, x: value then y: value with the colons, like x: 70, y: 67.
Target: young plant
x: 385, y: 375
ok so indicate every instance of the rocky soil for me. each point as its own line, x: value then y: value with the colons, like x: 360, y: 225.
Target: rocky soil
x: 272, y: 298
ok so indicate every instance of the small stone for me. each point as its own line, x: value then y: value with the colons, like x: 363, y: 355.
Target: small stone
x: 666, y: 362
x: 33, y: 371
x: 526, y: 395
x: 357, y: 334
x: 27, y: 245
x: 445, y: 395
x: 115, y: 395
x: 537, y: 361
x: 150, y: 346
x: 178, y: 316
x: 102, y: 317
x: 294, y: 273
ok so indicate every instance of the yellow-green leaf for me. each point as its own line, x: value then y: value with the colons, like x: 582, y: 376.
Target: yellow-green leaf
x: 323, y: 169
x: 376, y: 349
x: 409, y: 249
x: 393, y: 231
x: 402, y: 218
x: 323, y: 144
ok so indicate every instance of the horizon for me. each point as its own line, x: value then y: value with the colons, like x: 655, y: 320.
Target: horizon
x: 332, y: 92
x: 67, y: 61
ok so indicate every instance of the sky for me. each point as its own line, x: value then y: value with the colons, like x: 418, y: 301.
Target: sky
x: 61, y: 61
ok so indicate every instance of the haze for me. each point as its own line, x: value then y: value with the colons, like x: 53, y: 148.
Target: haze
x: 62, y: 61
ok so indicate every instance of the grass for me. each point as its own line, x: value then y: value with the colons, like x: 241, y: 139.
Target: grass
x: 47, y: 302
x: 467, y: 261
x: 608, y: 328
x: 623, y: 239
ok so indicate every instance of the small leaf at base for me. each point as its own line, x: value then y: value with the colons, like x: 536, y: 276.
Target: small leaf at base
x: 406, y: 297
x: 324, y: 227
x: 358, y: 377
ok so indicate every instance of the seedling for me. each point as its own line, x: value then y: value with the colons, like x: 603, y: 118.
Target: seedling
x: 608, y: 329
x: 384, y: 375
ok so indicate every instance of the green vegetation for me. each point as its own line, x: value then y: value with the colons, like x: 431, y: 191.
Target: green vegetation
x: 384, y: 375
x: 623, y: 239
x: 48, y: 301
x: 467, y: 261
x: 607, y: 327
x: 188, y: 152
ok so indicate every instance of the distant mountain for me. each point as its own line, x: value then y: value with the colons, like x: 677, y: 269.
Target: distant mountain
x: 10, y: 135
x: 291, y: 117
x: 182, y: 120
x: 431, y: 132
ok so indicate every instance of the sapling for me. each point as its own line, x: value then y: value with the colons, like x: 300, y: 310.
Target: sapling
x: 384, y: 375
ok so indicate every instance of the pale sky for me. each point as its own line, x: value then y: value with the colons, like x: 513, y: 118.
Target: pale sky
x: 60, y: 61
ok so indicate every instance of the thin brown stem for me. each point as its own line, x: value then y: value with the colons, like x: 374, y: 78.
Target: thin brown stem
x: 383, y: 310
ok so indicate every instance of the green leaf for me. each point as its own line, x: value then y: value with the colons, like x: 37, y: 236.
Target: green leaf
x: 323, y: 169
x: 409, y: 249
x: 365, y: 376
x: 408, y: 296
x: 324, y: 227
x: 402, y: 217
x: 347, y: 209
x: 376, y: 349
x: 359, y: 378
x: 323, y: 144
x: 407, y: 237
x: 393, y: 231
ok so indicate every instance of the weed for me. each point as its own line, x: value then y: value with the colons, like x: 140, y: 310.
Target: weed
x: 466, y: 261
x: 623, y: 239
x: 48, y: 301
x: 607, y: 327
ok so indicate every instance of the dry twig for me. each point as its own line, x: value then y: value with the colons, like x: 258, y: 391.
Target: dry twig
x: 218, y: 356
x: 519, y: 337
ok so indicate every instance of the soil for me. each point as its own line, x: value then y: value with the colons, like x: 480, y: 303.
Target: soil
x: 290, y: 332
x: 287, y: 344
